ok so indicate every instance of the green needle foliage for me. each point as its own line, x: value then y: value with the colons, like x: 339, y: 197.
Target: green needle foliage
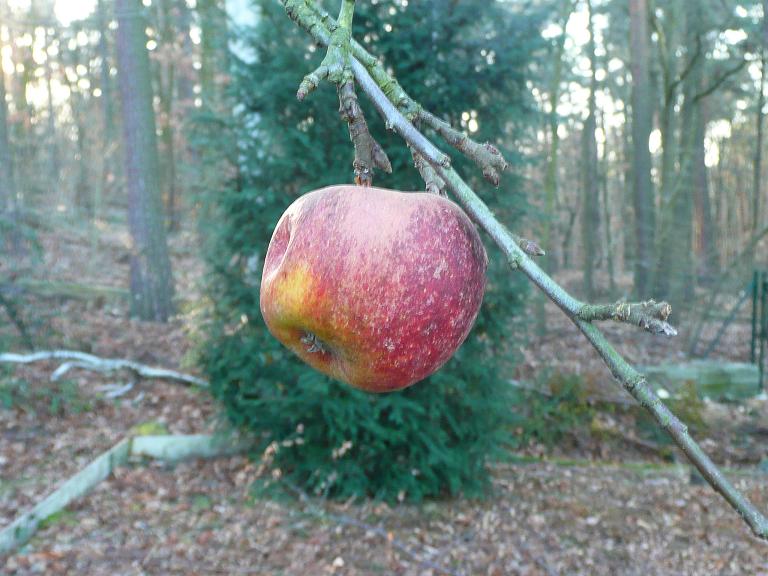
x: 466, y: 61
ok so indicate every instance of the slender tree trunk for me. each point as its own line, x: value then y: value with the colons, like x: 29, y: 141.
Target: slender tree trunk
x: 678, y: 251
x: 610, y: 256
x: 151, y: 278
x: 109, y: 164
x: 55, y: 166
x: 7, y: 176
x: 550, y: 177
x: 758, y: 163
x: 166, y: 84
x: 214, y: 54
x: 707, y: 230
x: 83, y: 193
x: 627, y: 198
x: 10, y: 242
x: 105, y: 80
x: 645, y: 221
x: 590, y: 214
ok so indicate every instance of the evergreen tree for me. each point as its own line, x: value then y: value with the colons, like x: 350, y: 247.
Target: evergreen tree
x: 466, y: 62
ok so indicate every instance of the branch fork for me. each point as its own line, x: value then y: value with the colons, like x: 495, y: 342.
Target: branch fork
x: 336, y: 68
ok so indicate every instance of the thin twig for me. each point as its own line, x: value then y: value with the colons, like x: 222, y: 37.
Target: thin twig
x: 486, y: 156
x: 650, y: 315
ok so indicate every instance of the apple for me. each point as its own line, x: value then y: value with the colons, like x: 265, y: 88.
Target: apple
x: 374, y: 287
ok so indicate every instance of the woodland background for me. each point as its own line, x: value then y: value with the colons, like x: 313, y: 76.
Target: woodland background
x: 148, y: 148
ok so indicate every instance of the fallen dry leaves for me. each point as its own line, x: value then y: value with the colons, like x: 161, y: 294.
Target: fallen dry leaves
x: 200, y: 517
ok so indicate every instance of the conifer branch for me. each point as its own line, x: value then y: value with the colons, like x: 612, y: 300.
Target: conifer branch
x: 382, y: 90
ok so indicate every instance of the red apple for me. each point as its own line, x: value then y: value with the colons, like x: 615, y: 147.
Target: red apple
x: 373, y: 287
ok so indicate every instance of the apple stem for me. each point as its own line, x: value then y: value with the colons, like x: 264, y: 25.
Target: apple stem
x: 398, y: 110
x: 313, y: 343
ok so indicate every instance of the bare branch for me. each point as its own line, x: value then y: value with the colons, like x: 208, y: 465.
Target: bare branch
x: 397, y: 122
x: 434, y: 184
x: 368, y: 153
x: 335, y: 65
x: 486, y: 156
x: 321, y: 26
x: 650, y: 315
x: 720, y: 80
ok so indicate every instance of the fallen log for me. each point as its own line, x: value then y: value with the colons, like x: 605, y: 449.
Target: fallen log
x: 717, y: 380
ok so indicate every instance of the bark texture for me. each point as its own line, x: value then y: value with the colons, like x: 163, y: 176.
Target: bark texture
x: 151, y: 278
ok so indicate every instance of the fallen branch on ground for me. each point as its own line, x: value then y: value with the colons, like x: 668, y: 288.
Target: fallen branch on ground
x: 86, y: 361
x: 170, y: 448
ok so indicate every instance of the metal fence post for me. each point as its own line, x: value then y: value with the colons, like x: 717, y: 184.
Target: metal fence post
x: 755, y: 293
x: 763, y: 325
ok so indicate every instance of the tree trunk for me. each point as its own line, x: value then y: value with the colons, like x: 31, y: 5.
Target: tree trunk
x: 590, y: 214
x: 107, y: 98
x: 166, y: 84
x: 758, y: 163
x: 707, y: 231
x: 213, y: 51
x: 550, y: 177
x: 151, y: 278
x: 677, y: 254
x: 642, y: 120
x: 7, y: 177
x: 109, y: 164
x: 610, y: 256
x: 55, y: 166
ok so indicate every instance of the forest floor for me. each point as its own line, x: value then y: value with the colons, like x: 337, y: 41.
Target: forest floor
x: 605, y: 501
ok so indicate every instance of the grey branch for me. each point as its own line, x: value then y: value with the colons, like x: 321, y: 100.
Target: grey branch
x: 650, y: 315
x: 376, y: 84
x: 433, y: 183
x: 368, y: 153
x: 486, y: 156
x: 321, y: 26
x: 74, y: 359
x: 335, y: 65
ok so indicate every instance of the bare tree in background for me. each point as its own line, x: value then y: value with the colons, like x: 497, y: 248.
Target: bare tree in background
x: 151, y: 277
x: 590, y: 215
x: 7, y: 191
x: 642, y: 122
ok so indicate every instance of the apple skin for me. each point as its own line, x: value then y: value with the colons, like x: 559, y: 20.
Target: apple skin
x: 373, y: 287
